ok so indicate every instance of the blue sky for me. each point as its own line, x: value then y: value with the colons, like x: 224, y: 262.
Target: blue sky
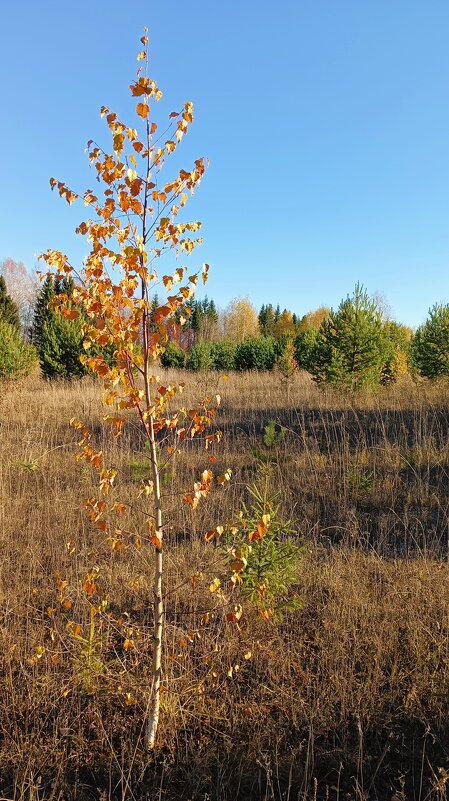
x: 326, y: 124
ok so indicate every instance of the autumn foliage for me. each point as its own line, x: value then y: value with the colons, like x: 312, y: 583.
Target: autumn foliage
x: 134, y: 220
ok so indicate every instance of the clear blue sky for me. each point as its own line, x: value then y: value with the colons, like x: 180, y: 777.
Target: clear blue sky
x: 326, y: 124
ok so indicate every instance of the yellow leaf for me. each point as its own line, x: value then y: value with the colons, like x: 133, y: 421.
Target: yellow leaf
x: 215, y: 586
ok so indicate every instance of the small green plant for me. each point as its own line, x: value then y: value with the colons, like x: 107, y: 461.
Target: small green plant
x: 273, y: 436
x: 263, y: 554
x: 140, y: 468
x: 359, y: 480
x: 88, y: 665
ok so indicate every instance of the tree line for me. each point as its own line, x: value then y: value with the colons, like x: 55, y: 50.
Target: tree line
x: 355, y: 346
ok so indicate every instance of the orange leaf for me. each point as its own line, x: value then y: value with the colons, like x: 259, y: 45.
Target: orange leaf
x: 142, y: 110
x: 156, y: 541
x: 89, y: 587
x: 70, y: 314
x: 235, y: 615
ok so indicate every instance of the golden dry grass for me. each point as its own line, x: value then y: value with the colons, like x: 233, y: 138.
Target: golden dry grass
x: 347, y: 697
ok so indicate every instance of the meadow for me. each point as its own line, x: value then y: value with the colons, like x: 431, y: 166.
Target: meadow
x: 343, y: 697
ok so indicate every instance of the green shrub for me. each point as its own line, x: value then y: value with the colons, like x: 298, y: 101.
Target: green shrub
x: 256, y: 353
x: 305, y: 349
x: 223, y: 354
x: 173, y: 356
x: 16, y: 357
x: 200, y: 357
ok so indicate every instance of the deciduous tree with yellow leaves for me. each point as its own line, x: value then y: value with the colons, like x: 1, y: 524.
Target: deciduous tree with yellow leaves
x: 134, y: 221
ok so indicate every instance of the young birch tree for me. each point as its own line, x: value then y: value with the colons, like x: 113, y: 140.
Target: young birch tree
x: 133, y: 224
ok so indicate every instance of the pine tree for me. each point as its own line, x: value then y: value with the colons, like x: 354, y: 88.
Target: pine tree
x: 430, y: 346
x: 352, y: 343
x: 9, y: 312
x: 17, y: 358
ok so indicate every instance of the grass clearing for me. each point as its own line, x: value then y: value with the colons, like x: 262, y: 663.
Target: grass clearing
x: 345, y: 698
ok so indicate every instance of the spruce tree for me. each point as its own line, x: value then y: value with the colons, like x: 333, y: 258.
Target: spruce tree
x: 213, y: 310
x: 9, y: 312
x: 59, y: 341
x: 61, y: 348
x: 42, y: 312
x: 267, y: 320
x: 195, y: 317
x: 153, y: 309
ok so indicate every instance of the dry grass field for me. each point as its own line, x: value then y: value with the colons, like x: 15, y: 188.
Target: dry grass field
x: 346, y: 697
